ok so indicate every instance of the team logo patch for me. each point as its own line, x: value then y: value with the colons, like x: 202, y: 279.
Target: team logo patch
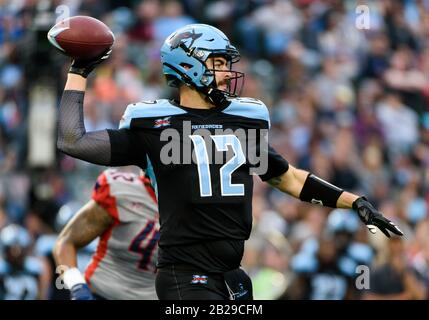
x: 162, y: 122
x: 199, y: 279
x: 177, y: 39
x: 315, y: 201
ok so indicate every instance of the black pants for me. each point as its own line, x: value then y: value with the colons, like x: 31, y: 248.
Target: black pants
x: 182, y: 282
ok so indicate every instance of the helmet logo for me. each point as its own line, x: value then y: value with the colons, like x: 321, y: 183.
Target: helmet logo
x: 177, y: 39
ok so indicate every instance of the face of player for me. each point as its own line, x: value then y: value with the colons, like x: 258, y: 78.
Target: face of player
x: 342, y: 239
x: 327, y: 252
x: 222, y: 71
x: 15, y: 255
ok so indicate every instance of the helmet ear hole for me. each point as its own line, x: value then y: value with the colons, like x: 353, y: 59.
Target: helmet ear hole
x: 186, y: 65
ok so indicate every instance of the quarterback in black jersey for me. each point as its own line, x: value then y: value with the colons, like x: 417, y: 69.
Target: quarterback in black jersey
x: 201, y: 152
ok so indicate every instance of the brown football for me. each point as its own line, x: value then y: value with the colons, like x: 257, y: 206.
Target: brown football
x: 81, y: 37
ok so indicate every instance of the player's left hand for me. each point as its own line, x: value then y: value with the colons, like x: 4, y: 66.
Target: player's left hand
x: 81, y: 292
x: 374, y: 219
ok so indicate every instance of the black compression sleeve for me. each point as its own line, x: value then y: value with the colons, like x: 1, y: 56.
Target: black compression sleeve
x: 277, y: 165
x: 124, y: 144
x: 73, y: 139
x: 318, y: 191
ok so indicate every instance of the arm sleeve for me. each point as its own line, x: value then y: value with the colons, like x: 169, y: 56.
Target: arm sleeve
x: 277, y: 165
x: 103, y: 147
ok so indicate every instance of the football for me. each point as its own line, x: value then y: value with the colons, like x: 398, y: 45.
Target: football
x: 81, y: 37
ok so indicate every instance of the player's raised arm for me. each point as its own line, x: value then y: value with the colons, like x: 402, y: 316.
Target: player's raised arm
x: 72, y: 136
x: 91, y: 221
x: 87, y: 50
x: 310, y: 188
x: 104, y: 147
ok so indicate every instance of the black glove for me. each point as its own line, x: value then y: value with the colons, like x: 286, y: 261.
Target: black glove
x: 85, y: 67
x: 81, y: 292
x: 372, y: 218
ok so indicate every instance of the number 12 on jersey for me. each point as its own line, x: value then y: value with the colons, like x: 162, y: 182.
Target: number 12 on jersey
x: 221, y: 142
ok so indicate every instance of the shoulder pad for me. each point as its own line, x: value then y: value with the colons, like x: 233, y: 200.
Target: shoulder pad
x: 347, y: 266
x: 148, y: 109
x: 4, y: 267
x: 304, y: 263
x: 101, y: 187
x: 114, y: 176
x: 151, y: 174
x: 248, y: 108
x: 361, y: 253
x: 101, y: 193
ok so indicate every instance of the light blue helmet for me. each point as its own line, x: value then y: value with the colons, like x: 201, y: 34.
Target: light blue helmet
x: 341, y: 220
x: 184, y: 55
x: 14, y: 235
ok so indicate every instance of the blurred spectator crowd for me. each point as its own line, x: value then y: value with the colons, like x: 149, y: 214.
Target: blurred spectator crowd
x: 350, y: 105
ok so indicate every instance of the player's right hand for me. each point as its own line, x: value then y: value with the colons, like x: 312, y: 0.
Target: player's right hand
x: 85, y: 67
x: 81, y: 292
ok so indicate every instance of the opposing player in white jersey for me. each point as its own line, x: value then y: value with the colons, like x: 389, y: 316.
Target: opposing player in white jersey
x: 123, y: 213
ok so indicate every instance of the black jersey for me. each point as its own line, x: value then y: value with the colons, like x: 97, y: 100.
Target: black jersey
x: 202, y: 162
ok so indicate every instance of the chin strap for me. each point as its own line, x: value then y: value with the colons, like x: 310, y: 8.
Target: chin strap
x: 215, y: 96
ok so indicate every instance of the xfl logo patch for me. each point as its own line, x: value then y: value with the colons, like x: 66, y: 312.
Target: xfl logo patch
x: 199, y: 279
x: 162, y: 122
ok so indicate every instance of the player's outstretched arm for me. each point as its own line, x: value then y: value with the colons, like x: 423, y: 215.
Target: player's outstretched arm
x: 89, y: 223
x: 310, y: 188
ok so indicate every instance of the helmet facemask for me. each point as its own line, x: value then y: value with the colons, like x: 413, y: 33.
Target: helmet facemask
x: 234, y: 83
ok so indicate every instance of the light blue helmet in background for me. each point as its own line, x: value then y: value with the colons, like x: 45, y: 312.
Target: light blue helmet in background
x: 184, y: 55
x: 342, y: 220
x: 65, y: 213
x: 14, y: 235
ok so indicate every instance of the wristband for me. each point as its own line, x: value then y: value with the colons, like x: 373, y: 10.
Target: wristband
x: 73, y: 277
x: 319, y: 191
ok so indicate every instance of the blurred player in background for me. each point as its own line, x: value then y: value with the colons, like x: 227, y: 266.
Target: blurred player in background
x: 44, y: 246
x: 325, y: 268
x: 395, y: 278
x: 123, y: 213
x: 21, y: 275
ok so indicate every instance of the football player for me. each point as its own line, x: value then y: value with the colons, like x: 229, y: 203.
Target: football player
x: 123, y: 213
x: 44, y: 245
x: 21, y: 274
x: 204, y: 204
x: 326, y: 267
